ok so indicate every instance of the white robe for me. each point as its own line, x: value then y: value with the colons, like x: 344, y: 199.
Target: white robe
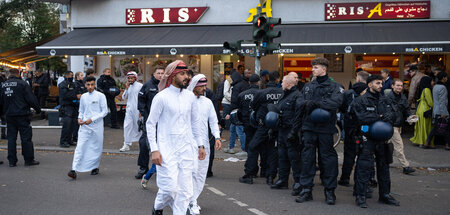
x: 205, y: 107
x: 131, y: 131
x: 178, y: 140
x: 90, y: 137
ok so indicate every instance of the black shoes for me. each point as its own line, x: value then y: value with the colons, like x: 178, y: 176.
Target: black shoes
x: 12, y: 164
x: 279, y: 185
x: 209, y: 174
x: 32, y: 163
x: 361, y: 201
x: 1, y: 162
x: 72, y: 174
x: 95, y: 171
x: 296, y: 188
x: 344, y: 182
x: 64, y: 145
x: 115, y: 127
x: 157, y: 212
x: 304, y: 196
x: 269, y: 180
x: 330, y: 197
x: 407, y: 170
x: 389, y: 200
x: 246, y: 179
x: 141, y: 172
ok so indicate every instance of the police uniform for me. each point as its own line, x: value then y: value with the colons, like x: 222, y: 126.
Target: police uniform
x: 107, y: 86
x: 351, y: 129
x: 68, y: 111
x: 288, y: 152
x: 42, y: 90
x: 244, y: 111
x: 262, y: 142
x: 80, y: 89
x: 145, y: 98
x: 328, y: 95
x: 17, y: 98
x: 369, y: 108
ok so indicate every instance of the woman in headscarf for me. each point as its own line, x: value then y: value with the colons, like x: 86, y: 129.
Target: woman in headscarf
x: 423, y: 125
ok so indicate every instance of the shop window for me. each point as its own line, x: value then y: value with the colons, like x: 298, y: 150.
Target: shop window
x: 336, y: 62
x: 222, y: 65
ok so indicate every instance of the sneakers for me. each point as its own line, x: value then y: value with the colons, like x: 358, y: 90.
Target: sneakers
x: 125, y: 148
x: 72, y: 174
x: 241, y: 153
x: 407, y: 170
x: 229, y: 151
x: 95, y: 171
x: 194, y: 209
x: 144, y: 182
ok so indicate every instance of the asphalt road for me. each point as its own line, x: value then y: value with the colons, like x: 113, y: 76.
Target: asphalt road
x: 46, y: 189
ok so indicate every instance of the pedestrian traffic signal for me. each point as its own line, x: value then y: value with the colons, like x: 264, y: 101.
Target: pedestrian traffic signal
x: 233, y: 46
x: 259, y: 27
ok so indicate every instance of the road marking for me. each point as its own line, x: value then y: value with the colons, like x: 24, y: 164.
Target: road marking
x: 238, y: 202
x: 216, y: 191
x: 256, y: 211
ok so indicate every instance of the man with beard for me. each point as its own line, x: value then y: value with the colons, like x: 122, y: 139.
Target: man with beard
x: 131, y: 131
x: 207, y: 117
x: 145, y: 98
x: 173, y: 130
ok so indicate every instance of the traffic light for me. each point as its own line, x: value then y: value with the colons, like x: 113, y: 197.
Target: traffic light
x: 259, y: 27
x: 233, y: 46
x: 267, y: 44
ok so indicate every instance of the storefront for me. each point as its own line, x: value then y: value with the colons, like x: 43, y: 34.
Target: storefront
x: 139, y: 35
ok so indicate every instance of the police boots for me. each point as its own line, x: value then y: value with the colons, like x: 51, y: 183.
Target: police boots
x: 246, y: 179
x: 296, y: 188
x: 388, y: 199
x: 279, y: 185
x: 361, y: 201
x: 305, y: 195
x: 269, y: 180
x: 330, y: 198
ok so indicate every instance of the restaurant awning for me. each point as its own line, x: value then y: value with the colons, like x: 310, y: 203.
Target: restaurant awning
x: 379, y: 37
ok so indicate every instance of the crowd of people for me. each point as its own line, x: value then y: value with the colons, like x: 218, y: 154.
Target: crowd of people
x: 286, y: 124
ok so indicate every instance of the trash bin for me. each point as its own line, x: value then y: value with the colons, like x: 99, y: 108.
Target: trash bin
x: 53, y: 118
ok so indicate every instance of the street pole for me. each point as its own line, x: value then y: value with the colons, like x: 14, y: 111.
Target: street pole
x: 258, y: 54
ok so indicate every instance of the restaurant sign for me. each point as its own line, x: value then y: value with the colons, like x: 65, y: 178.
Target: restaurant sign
x: 138, y: 16
x: 377, y: 10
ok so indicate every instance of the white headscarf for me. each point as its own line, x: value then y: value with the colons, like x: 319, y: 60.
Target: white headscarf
x: 194, y: 81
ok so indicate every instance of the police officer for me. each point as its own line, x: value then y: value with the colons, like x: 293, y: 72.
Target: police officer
x: 40, y: 86
x: 145, y: 98
x: 244, y: 110
x: 288, y: 152
x: 351, y: 127
x: 80, y: 89
x: 262, y: 142
x: 327, y: 95
x: 68, y: 99
x: 107, y: 86
x: 369, y: 108
x: 16, y: 99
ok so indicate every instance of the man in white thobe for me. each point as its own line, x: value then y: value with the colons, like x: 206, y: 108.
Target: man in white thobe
x: 131, y: 131
x: 93, y: 108
x: 178, y: 139
x: 208, y: 116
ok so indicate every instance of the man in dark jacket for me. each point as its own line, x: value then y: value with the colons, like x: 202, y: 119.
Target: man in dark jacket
x: 145, y: 98
x: 107, y: 86
x: 244, y: 110
x: 80, y: 89
x: 40, y: 85
x: 288, y: 152
x: 16, y: 100
x: 68, y: 99
x: 262, y: 142
x: 327, y: 95
x: 369, y: 108
x: 351, y: 126
x: 387, y: 81
x: 401, y: 112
